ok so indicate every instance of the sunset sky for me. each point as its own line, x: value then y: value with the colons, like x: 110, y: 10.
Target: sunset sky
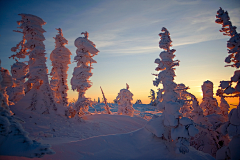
x: 126, y: 34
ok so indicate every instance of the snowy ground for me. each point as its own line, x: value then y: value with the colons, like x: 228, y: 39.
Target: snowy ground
x: 100, y: 136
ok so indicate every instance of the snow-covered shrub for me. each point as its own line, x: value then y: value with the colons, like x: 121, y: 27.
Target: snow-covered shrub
x: 18, y: 71
x: 138, y: 101
x: 232, y: 126
x: 60, y: 58
x: 14, y: 141
x: 170, y: 125
x: 124, y: 98
x: 38, y: 89
x: 80, y: 80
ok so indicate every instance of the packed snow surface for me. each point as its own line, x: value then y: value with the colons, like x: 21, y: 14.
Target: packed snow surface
x: 100, y: 136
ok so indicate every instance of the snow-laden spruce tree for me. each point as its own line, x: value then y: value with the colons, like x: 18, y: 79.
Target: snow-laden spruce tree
x: 232, y: 126
x: 124, y: 100
x: 80, y: 80
x: 60, y: 58
x: 14, y: 141
x: 209, y: 104
x: 18, y: 71
x: 39, y: 95
x: 170, y: 126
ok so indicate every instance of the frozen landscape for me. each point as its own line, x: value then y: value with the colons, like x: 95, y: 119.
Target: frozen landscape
x: 41, y: 119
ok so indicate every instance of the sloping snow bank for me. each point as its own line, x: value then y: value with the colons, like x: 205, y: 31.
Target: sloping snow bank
x: 139, y: 145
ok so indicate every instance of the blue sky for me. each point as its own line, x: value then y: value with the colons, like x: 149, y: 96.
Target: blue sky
x: 126, y: 34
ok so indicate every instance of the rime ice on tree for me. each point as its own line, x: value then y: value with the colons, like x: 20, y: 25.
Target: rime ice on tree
x: 19, y: 71
x: 38, y: 89
x: 60, y: 58
x: 209, y: 104
x: 170, y: 126
x: 80, y: 80
x: 232, y: 127
x: 124, y: 98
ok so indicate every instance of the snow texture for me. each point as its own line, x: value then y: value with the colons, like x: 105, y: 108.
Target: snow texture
x: 60, y: 58
x: 38, y: 91
x: 80, y: 80
x: 101, y: 136
x: 125, y: 106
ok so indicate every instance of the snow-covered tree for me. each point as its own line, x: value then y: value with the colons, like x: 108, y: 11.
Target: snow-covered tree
x: 170, y: 125
x: 18, y: 71
x: 38, y: 88
x: 124, y: 98
x: 232, y: 126
x: 60, y: 58
x: 209, y: 104
x: 152, y: 97
x: 14, y: 141
x: 80, y: 80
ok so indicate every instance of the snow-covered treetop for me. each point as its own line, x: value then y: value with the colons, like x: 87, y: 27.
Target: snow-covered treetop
x: 59, y: 39
x: 33, y: 33
x: 84, y: 44
x: 165, y: 42
x: 34, y: 19
x: 234, y: 42
x: 207, y: 89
